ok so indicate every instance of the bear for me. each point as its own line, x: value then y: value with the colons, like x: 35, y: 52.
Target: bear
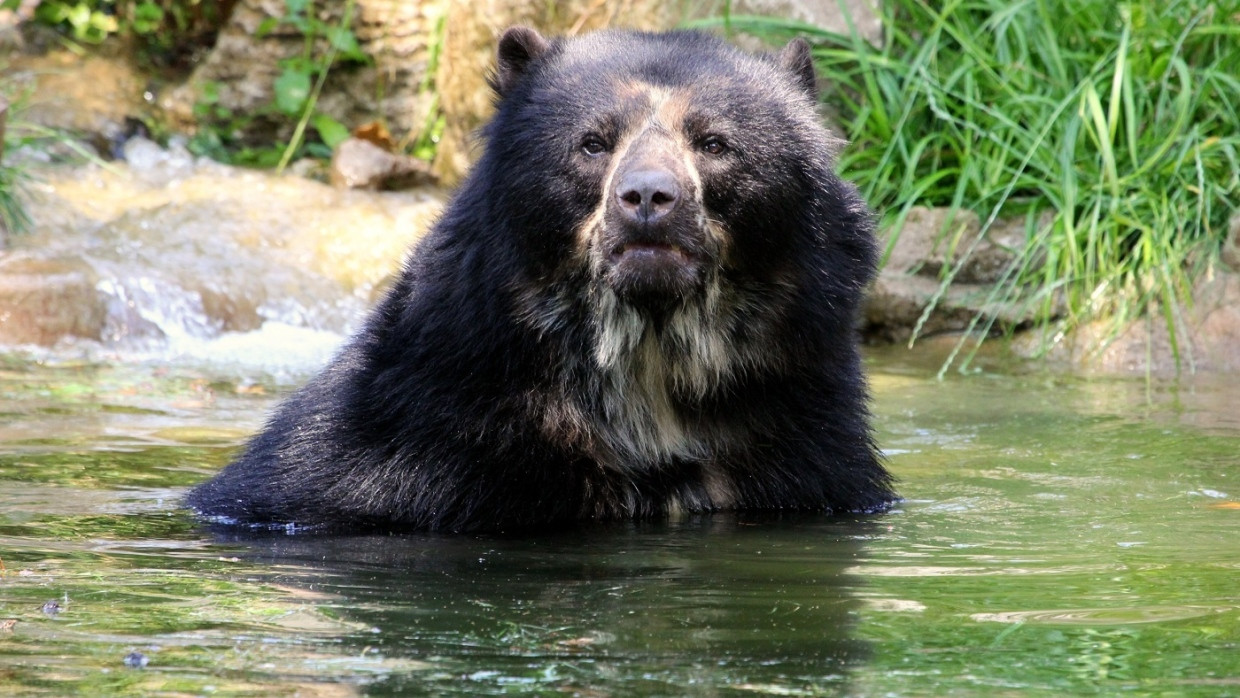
x: 641, y: 303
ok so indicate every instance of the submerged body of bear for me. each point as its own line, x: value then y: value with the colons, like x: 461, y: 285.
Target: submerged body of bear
x: 640, y: 303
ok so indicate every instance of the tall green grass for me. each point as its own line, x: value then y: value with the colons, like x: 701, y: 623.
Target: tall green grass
x: 13, y: 218
x: 1119, y: 120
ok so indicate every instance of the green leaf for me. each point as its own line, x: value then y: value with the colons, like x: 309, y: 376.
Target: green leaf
x: 317, y: 150
x: 332, y: 132
x: 300, y: 64
x: 48, y: 13
x: 292, y: 89
x: 296, y: 7
x: 98, y: 27
x: 344, y: 41
x: 266, y: 26
x: 210, y: 92
x: 147, y: 17
x: 78, y: 17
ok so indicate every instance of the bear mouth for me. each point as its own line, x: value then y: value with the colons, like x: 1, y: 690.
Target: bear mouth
x: 653, y: 274
x: 650, y: 253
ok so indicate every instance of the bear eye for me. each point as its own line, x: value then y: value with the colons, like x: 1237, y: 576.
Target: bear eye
x: 713, y: 145
x: 593, y: 145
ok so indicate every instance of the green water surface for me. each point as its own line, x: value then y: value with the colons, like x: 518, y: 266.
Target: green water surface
x: 1060, y: 536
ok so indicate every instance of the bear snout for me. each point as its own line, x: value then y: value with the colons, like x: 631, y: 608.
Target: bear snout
x: 647, y: 196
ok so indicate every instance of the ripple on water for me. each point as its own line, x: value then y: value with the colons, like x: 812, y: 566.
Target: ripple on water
x: 1103, y: 616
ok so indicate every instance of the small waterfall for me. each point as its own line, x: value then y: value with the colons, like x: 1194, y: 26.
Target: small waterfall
x: 175, y: 257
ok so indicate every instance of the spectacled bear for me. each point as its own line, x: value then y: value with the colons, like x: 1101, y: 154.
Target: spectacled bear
x: 640, y: 303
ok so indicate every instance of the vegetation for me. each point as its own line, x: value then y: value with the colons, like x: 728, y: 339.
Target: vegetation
x: 1112, y: 128
x: 1122, y: 120
x: 166, y: 33
x: 296, y: 91
x: 170, y: 33
x: 13, y: 218
x: 302, y: 77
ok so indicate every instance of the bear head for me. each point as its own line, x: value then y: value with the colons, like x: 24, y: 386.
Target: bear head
x: 652, y: 163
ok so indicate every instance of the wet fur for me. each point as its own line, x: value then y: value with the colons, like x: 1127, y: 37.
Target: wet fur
x: 503, y: 384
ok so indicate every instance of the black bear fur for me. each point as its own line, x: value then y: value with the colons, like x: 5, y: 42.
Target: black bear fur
x: 640, y: 303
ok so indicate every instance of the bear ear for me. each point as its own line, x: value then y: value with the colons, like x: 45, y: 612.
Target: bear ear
x: 517, y: 47
x: 795, y: 57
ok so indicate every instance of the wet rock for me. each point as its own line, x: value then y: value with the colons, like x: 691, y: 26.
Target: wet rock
x: 233, y: 311
x: 170, y: 253
x: 43, y: 300
x: 51, y: 608
x: 92, y: 96
x: 360, y: 164
x: 897, y: 303
x: 157, y: 165
x: 1207, y: 336
x: 933, y: 244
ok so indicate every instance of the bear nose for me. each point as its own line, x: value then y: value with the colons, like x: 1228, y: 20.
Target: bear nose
x: 645, y: 196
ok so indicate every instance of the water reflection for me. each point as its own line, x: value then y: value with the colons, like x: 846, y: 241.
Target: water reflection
x: 691, y: 606
x: 1059, y: 536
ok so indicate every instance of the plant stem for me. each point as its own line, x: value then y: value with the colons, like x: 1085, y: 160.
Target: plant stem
x: 312, y: 100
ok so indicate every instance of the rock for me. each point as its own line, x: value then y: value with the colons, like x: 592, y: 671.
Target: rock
x: 468, y: 56
x: 45, y: 300
x: 931, y: 244
x: 242, y: 68
x: 93, y: 96
x: 11, y: 21
x: 360, y: 164
x: 157, y: 165
x: 1207, y: 335
x: 404, y: 40
x: 1231, y: 244
x: 825, y: 14
x: 932, y: 239
x: 471, y: 30
x: 1004, y: 241
x: 165, y: 250
x: 897, y: 302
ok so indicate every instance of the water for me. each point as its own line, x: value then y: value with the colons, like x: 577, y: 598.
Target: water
x: 174, y: 257
x: 1059, y: 536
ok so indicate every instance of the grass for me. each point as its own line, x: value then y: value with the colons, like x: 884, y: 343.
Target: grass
x: 15, y: 174
x: 13, y: 218
x: 1120, y: 120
